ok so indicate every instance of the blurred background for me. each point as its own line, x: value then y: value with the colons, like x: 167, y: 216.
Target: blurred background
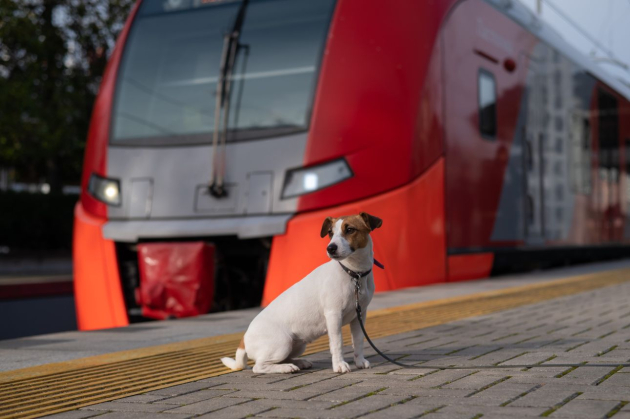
x: 52, y: 57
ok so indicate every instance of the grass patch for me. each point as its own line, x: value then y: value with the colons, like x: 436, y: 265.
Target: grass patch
x: 424, y: 375
x: 545, y: 360
x: 582, y: 331
x: 509, y: 359
x: 485, y: 334
x: 459, y: 350
x: 577, y: 346
x: 551, y: 343
x: 548, y: 412
x: 421, y: 342
x: 565, y: 372
x: 604, y: 352
x: 358, y: 398
x: 485, y: 353
x: 536, y: 387
x: 442, y: 344
x: 616, y: 409
x: 457, y: 379
x: 428, y: 412
x: 504, y: 337
x: 555, y: 330
x: 607, y: 376
x: 525, y: 340
x: 494, y: 383
x: 607, y: 334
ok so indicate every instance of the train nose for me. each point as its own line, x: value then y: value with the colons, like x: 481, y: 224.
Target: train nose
x: 332, y: 249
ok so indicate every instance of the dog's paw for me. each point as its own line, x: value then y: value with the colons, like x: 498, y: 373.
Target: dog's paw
x: 341, y: 367
x: 287, y: 368
x: 362, y: 363
x: 302, y: 364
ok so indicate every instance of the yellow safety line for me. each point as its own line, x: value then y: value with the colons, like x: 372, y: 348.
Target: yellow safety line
x: 54, y: 388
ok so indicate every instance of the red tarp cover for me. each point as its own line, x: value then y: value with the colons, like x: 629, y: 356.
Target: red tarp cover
x: 176, y: 279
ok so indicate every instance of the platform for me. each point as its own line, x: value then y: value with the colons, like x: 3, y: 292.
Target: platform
x: 552, y: 344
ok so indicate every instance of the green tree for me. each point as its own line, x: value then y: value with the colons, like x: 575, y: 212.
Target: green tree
x: 52, y: 56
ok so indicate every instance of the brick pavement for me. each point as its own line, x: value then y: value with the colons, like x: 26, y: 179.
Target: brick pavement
x: 560, y: 359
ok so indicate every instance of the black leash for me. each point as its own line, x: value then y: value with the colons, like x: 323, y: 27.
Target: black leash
x: 356, y: 278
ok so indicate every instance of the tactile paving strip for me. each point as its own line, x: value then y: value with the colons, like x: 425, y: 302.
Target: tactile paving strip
x: 55, y: 388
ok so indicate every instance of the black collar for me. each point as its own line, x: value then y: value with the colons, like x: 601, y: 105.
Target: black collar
x: 359, y: 275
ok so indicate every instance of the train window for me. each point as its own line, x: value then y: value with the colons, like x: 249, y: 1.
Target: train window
x: 559, y: 123
x: 580, y: 153
x: 487, y: 96
x: 167, y: 83
x: 608, y: 129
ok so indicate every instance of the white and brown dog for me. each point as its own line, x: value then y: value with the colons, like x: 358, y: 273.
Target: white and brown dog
x: 320, y: 303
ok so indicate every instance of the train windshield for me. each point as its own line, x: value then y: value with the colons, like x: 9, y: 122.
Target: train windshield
x: 167, y: 82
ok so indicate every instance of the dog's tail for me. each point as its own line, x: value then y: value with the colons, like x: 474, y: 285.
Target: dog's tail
x: 241, y: 358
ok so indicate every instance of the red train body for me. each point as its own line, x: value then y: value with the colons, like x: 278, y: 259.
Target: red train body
x: 480, y: 138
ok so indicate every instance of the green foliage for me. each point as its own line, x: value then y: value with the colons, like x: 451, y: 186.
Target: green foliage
x: 36, y: 221
x: 52, y: 56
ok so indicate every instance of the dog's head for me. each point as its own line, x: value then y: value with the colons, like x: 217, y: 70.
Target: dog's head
x: 348, y: 234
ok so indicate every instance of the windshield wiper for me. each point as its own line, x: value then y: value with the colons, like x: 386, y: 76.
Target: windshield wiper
x: 222, y: 104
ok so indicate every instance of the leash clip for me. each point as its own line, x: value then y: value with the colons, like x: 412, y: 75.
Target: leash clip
x: 357, y: 288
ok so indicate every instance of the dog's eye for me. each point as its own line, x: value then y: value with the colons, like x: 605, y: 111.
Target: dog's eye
x: 350, y: 230
x: 330, y: 233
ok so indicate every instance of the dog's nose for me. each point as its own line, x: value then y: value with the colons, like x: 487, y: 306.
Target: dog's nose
x: 332, y: 248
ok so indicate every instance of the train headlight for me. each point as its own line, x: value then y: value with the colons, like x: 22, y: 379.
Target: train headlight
x: 309, y: 179
x: 105, y: 190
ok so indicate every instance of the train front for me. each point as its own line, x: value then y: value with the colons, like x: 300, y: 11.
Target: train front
x: 224, y: 132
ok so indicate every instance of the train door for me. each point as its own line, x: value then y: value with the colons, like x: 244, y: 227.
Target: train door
x: 482, y: 94
x: 608, y: 136
x: 626, y: 188
x: 534, y: 143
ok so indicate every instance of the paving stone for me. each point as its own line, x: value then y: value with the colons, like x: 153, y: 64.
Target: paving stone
x: 142, y: 398
x: 542, y: 398
x: 618, y: 379
x: 257, y: 407
x: 74, y: 414
x: 181, y: 389
x: 474, y: 381
x: 194, y: 397
x: 138, y: 415
x: 441, y: 378
x: 347, y: 410
x: 585, y: 409
x: 347, y: 393
x: 117, y: 406
x: 409, y: 409
x: 506, y: 392
x: 506, y: 412
x: 206, y: 406
x: 586, y: 375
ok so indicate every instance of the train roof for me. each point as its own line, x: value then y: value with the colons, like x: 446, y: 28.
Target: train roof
x: 530, y: 21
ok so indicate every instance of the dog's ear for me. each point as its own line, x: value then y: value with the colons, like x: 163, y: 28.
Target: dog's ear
x: 326, y: 226
x: 371, y: 221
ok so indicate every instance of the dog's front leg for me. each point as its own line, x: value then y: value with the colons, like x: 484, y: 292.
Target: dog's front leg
x: 333, y: 324
x: 357, y: 343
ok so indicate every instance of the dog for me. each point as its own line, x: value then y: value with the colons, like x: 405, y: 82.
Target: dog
x: 322, y: 302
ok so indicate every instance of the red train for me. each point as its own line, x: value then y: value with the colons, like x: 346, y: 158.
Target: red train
x: 475, y: 132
